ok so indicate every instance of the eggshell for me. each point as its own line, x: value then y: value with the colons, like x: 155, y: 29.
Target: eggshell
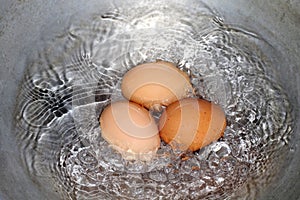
x: 130, y: 129
x: 192, y: 124
x: 155, y: 84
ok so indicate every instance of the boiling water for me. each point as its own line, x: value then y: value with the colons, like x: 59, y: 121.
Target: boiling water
x: 74, y: 75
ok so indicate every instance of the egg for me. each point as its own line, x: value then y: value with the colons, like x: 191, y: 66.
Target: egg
x: 190, y: 124
x: 130, y: 129
x: 155, y: 84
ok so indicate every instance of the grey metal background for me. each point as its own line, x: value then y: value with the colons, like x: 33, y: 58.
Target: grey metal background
x: 23, y: 21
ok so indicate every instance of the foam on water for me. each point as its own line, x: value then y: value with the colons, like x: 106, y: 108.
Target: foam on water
x: 76, y: 74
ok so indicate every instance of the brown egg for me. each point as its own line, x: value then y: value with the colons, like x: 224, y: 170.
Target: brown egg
x: 192, y: 124
x: 155, y: 84
x: 130, y: 129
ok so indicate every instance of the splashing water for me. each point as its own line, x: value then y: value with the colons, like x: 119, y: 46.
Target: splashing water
x: 76, y: 74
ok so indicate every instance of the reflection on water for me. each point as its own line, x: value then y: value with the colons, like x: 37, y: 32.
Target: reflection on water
x: 75, y: 75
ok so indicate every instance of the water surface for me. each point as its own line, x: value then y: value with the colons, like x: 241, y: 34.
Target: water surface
x: 73, y: 76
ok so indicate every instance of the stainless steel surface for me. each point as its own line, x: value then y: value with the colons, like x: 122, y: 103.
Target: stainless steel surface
x: 23, y: 22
